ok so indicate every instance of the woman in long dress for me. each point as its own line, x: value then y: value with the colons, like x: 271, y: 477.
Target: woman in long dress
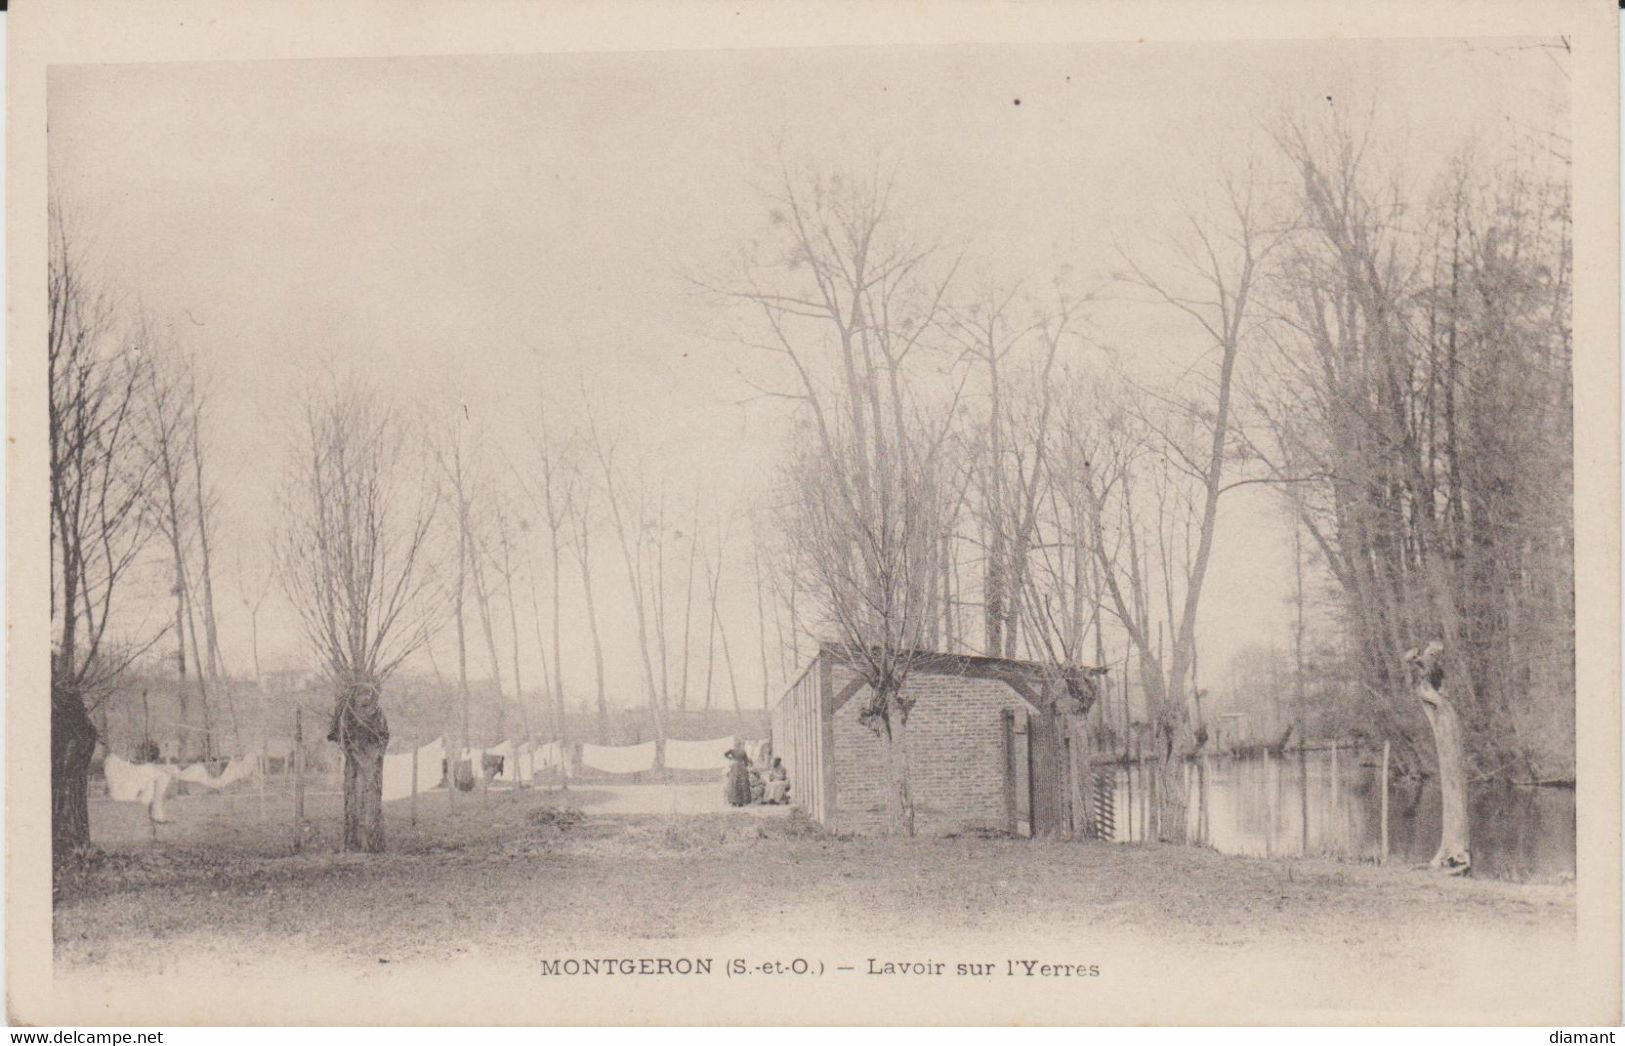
x: 736, y: 789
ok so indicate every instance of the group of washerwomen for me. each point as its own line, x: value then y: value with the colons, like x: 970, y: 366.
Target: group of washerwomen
x: 746, y: 784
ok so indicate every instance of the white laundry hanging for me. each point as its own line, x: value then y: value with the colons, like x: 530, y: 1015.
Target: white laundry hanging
x: 623, y: 759
x: 504, y: 752
x: 138, y: 783
x: 698, y: 755
x: 398, y: 775
x: 519, y: 767
x: 431, y: 765
x: 236, y: 770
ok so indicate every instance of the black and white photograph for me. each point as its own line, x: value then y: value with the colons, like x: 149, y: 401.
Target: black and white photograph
x: 1071, y: 527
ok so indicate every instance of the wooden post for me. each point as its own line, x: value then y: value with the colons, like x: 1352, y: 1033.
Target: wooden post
x: 1077, y: 747
x: 414, y: 787
x: 1128, y: 776
x: 298, y: 780
x: 1007, y: 721
x: 1206, y: 785
x: 1303, y: 791
x: 1153, y: 791
x: 1383, y: 858
x: 1269, y: 803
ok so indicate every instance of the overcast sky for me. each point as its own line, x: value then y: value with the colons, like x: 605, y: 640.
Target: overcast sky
x: 505, y: 225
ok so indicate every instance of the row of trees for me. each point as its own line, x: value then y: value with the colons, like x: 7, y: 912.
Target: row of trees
x: 398, y: 523
x: 970, y: 470
x: 973, y: 472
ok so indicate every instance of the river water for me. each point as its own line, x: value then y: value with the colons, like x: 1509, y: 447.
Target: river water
x: 1255, y: 805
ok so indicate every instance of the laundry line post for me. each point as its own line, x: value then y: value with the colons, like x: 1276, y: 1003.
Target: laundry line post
x: 265, y: 762
x: 1383, y: 856
x: 1271, y: 801
x: 298, y: 779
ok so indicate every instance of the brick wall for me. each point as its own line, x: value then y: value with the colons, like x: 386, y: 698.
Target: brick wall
x: 956, y: 749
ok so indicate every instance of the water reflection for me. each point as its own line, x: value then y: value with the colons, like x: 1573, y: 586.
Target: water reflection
x: 1256, y: 806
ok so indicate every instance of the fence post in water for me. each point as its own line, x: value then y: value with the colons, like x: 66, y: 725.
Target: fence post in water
x: 1303, y: 791
x: 1337, y: 780
x: 1206, y: 785
x: 1128, y: 784
x: 414, y: 787
x: 1269, y: 804
x: 298, y: 780
x: 1383, y: 858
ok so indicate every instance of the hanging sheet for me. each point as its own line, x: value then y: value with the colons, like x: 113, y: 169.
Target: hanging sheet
x: 431, y: 765
x: 519, y: 767
x: 698, y: 755
x: 135, y: 782
x: 625, y: 759
x: 504, y: 752
x: 145, y: 783
x: 398, y: 775
x: 236, y: 770
x: 508, y: 752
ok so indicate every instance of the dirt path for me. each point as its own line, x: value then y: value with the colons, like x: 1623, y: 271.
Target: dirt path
x: 512, y: 879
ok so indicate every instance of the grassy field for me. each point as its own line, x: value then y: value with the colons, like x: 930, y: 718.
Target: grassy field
x: 506, y: 878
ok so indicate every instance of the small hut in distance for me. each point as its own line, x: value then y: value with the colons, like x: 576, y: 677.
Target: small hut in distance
x: 994, y: 744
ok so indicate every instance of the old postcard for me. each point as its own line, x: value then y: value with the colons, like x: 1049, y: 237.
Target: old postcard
x: 817, y: 514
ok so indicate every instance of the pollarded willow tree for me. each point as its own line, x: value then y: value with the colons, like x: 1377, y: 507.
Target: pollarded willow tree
x: 1422, y: 380
x: 842, y: 299
x: 98, y: 528
x: 352, y: 555
x: 870, y: 555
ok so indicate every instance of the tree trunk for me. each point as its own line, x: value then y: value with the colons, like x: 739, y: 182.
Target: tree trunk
x: 73, y: 743
x: 900, y: 799
x: 1455, y: 849
x: 362, y: 733
x: 558, y: 664
x: 1046, y: 734
x: 1169, y: 785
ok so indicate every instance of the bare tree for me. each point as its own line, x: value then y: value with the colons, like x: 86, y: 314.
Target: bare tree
x: 631, y: 546
x: 505, y: 560
x: 843, y: 298
x: 1018, y: 359
x: 1191, y: 459
x: 688, y: 602
x: 165, y: 435
x: 352, y: 556
x: 713, y: 580
x: 552, y: 494
x: 98, y: 528
x: 1419, y: 415
x: 582, y: 521
x: 453, y: 459
x: 207, y: 501
x: 870, y: 561
x: 477, y: 557
x: 253, y: 588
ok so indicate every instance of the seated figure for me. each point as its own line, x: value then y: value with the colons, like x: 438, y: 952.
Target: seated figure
x: 777, y: 787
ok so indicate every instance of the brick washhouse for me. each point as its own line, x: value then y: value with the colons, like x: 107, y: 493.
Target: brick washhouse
x: 994, y: 744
